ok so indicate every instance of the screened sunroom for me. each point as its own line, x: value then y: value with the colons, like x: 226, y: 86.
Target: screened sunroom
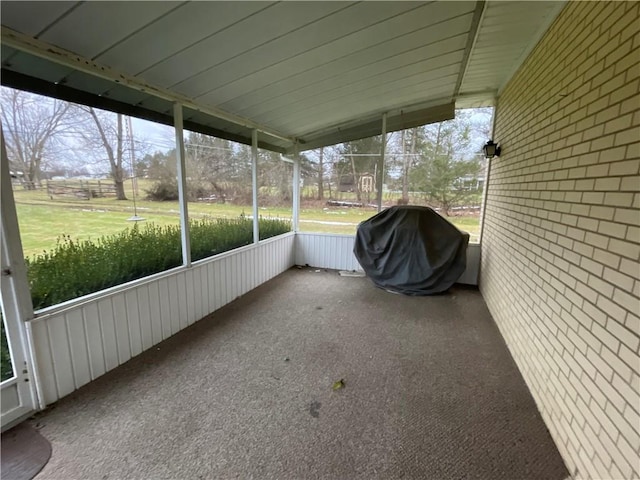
x: 273, y: 128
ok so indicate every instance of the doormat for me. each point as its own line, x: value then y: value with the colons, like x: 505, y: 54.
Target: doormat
x: 24, y: 453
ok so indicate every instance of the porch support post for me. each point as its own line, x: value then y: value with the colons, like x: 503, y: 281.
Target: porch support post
x: 12, y: 245
x: 182, y: 185
x: 383, y: 148
x: 17, y: 305
x: 485, y: 188
x: 296, y: 189
x: 254, y: 184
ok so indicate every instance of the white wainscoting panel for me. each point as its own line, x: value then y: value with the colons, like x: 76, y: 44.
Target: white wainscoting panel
x: 324, y: 250
x: 81, y: 340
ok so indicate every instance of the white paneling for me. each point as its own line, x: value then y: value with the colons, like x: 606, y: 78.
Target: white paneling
x: 165, y: 307
x: 506, y: 35
x: 183, y: 312
x: 338, y: 55
x: 174, y: 304
x: 190, y: 297
x: 348, y: 23
x: 216, y: 287
x: 146, y: 325
x: 109, y: 341
x: 323, y: 250
x: 59, y: 343
x: 93, y: 334
x: 46, y: 370
x: 401, y: 66
x: 236, y: 262
x: 82, y: 341
x: 230, y: 277
x: 165, y: 37
x: 20, y: 15
x: 133, y: 322
x: 204, y: 290
x: 95, y: 26
x: 78, y: 347
x: 326, y: 251
x: 237, y: 39
x: 155, y: 315
x: 122, y: 327
x: 340, y: 103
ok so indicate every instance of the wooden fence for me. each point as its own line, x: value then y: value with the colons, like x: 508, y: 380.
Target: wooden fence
x: 83, y: 189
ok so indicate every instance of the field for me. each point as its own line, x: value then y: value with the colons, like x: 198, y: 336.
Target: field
x: 43, y: 219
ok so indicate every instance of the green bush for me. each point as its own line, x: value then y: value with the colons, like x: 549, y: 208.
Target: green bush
x: 76, y: 268
x: 163, y: 191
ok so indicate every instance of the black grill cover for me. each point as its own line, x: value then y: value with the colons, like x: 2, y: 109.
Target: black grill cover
x: 411, y: 250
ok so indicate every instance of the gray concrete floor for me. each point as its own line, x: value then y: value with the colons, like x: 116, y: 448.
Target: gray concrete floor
x: 431, y: 392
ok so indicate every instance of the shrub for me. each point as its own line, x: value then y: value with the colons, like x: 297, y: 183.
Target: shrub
x: 163, y: 190
x: 76, y: 268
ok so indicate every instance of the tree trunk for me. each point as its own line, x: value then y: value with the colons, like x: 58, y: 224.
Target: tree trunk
x: 120, y: 194
x: 115, y: 159
x: 321, y: 175
x: 355, y: 179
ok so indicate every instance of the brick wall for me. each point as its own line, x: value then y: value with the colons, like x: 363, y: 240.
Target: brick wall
x: 561, y: 242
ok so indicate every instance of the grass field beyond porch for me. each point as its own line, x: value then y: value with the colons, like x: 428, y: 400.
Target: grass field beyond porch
x: 44, y: 220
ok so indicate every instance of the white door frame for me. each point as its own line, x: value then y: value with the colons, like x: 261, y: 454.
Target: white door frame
x: 18, y: 394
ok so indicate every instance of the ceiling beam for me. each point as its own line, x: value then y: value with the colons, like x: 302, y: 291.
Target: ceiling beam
x: 69, y: 94
x: 471, y: 42
x: 38, y: 48
x: 396, y: 120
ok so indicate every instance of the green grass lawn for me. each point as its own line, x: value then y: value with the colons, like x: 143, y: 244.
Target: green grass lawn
x: 43, y: 220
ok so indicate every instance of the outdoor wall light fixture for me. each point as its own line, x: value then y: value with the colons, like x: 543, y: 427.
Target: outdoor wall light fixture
x: 491, y: 149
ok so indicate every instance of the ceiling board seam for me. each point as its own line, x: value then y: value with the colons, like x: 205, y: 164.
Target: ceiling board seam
x: 226, y: 27
x: 377, y: 85
x: 388, y: 86
x: 346, y: 55
x: 372, y: 127
x: 60, y: 17
x: 63, y: 57
x: 333, y: 77
x: 258, y: 46
x: 393, y: 112
x: 411, y: 96
x: 473, y: 37
x: 7, y: 61
x: 553, y: 15
x: 332, y: 41
x: 138, y: 30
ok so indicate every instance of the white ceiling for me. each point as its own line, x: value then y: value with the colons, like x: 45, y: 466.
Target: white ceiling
x: 313, y: 72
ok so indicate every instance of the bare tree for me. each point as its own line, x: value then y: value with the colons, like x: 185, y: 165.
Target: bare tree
x: 31, y: 124
x: 108, y: 137
x: 321, y: 174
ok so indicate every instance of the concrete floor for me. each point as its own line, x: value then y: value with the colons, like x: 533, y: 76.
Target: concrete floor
x: 431, y: 392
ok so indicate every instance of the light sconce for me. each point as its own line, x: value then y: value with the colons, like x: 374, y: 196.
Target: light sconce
x: 491, y: 149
